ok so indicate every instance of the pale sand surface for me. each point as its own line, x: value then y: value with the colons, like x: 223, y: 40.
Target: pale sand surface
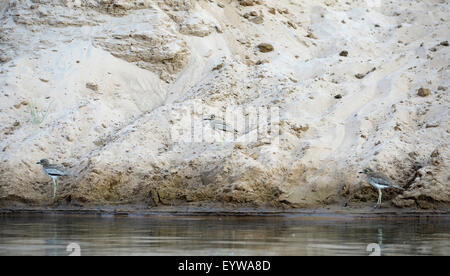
x: 116, y: 81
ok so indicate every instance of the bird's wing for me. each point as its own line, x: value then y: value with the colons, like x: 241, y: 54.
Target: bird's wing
x: 381, y: 179
x: 55, y: 170
x: 378, y: 175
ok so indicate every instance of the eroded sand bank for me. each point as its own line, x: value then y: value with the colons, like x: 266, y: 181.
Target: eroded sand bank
x: 118, y: 76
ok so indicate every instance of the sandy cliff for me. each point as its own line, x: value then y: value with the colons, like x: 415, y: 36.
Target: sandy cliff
x: 120, y: 77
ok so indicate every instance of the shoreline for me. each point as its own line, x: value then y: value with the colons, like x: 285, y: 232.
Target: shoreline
x: 171, y: 211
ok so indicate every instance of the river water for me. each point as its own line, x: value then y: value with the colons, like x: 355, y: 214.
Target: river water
x: 229, y: 236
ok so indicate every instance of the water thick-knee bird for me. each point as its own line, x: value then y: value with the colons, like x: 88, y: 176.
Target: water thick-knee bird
x: 379, y: 181
x: 54, y: 171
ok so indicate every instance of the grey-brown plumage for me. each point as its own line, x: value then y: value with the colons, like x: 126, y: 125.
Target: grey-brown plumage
x: 379, y: 181
x: 54, y: 171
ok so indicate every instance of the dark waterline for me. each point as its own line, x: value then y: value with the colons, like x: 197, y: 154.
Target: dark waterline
x: 230, y: 236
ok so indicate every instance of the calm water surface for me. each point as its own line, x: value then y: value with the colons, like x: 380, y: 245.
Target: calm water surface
x: 234, y: 236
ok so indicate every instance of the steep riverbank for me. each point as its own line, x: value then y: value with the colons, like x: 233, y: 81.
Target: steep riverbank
x: 125, y: 85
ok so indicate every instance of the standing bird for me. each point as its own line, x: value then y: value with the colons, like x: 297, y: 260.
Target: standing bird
x: 379, y: 181
x: 219, y: 124
x: 54, y: 171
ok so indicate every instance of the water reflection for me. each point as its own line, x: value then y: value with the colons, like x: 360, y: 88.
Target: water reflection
x: 50, y: 235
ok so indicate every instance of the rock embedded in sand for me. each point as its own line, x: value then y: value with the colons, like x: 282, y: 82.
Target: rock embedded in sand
x: 257, y: 20
x: 343, y: 53
x: 218, y: 67
x: 444, y: 43
x: 311, y: 35
x: 265, y: 47
x: 17, y: 106
x: 92, y: 86
x: 423, y: 92
x: 247, y: 2
x: 292, y: 25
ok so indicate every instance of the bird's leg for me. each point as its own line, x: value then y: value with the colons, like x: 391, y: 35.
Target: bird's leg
x: 379, y: 196
x: 379, y: 199
x: 55, y: 186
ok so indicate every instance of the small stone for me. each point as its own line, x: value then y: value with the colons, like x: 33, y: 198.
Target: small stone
x: 92, y: 86
x: 43, y: 80
x: 247, y: 2
x: 260, y: 62
x: 444, y: 43
x: 343, y: 53
x: 292, y: 25
x: 218, y: 67
x: 311, y: 35
x: 17, y: 106
x: 257, y: 20
x: 253, y: 13
x: 442, y: 88
x: 265, y: 47
x: 423, y: 92
x: 338, y: 96
x: 272, y: 10
x: 221, y: 5
x: 238, y: 146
